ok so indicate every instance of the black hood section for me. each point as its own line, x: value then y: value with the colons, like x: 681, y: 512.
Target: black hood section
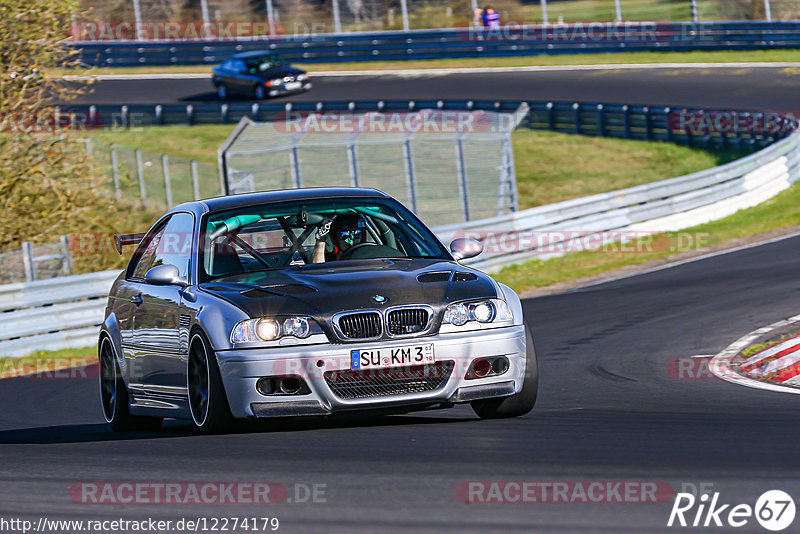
x: 279, y: 72
x: 321, y: 290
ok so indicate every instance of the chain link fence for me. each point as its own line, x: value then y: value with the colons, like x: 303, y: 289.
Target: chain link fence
x: 446, y: 166
x: 158, y: 181
x: 36, y: 262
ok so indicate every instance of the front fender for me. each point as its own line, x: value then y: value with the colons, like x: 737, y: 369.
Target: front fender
x: 217, y: 317
x: 110, y: 329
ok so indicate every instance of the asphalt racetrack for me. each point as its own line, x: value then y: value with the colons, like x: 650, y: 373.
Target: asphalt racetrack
x: 741, y: 88
x: 608, y: 411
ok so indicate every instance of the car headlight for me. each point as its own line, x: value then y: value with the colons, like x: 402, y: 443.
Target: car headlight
x: 484, y: 311
x: 273, y: 328
x: 275, y: 82
x: 302, y: 77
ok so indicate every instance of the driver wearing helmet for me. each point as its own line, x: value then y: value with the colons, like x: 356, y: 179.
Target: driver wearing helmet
x: 336, y: 236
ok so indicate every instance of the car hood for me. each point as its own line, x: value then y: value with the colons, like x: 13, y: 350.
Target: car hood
x: 320, y: 291
x: 279, y: 73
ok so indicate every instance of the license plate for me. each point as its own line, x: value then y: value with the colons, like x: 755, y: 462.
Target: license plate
x: 291, y: 86
x: 391, y: 356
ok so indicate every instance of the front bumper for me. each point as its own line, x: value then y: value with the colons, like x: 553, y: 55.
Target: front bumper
x: 241, y: 369
x: 282, y: 90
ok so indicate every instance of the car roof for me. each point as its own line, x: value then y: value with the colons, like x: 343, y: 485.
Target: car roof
x: 252, y: 53
x: 268, y: 197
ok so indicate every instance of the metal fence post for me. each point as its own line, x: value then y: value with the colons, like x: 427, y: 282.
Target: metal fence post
x: 271, y: 18
x: 577, y: 115
x: 27, y: 261
x: 115, y: 171
x: 667, y: 125
x: 294, y: 162
x: 408, y: 159
x: 618, y: 10
x: 601, y: 120
x: 626, y: 120
x: 508, y: 179
x: 545, y: 19
x: 66, y: 264
x: 88, y: 146
x: 551, y: 116
x: 195, y: 180
x: 167, y: 184
x: 337, y: 21
x: 462, y: 178
x: 140, y: 172
x: 352, y: 160
x: 125, y: 115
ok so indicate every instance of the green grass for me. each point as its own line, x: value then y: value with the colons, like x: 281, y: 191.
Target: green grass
x: 596, y: 165
x: 553, y: 166
x: 188, y: 142
x: 726, y: 56
x: 43, y: 362
x: 781, y: 211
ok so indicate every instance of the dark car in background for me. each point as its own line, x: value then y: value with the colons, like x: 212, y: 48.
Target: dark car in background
x: 258, y: 74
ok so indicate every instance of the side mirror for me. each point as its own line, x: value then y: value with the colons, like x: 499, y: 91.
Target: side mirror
x: 164, y: 275
x: 464, y: 248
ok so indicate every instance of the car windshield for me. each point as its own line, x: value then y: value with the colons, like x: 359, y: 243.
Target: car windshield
x: 298, y: 234
x: 262, y: 63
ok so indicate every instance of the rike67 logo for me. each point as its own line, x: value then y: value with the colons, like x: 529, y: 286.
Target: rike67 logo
x: 774, y: 510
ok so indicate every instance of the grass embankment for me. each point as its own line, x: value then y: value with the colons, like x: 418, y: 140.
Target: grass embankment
x: 550, y: 166
x: 621, y: 58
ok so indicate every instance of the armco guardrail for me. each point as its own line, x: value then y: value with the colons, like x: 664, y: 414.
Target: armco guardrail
x: 510, y: 40
x: 53, y: 314
x: 668, y: 205
x: 744, y: 130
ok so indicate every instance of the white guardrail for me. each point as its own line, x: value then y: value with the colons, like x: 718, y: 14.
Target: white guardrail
x: 57, y: 313
x: 664, y: 206
x: 66, y: 312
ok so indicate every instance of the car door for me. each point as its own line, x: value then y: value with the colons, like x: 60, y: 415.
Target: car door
x: 227, y: 74
x: 126, y: 294
x: 159, y: 346
x: 238, y: 77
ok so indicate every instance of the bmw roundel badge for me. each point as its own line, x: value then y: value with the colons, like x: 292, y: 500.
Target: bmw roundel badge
x: 380, y: 299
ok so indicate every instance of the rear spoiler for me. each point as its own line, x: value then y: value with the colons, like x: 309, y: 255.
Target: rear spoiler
x: 126, y: 239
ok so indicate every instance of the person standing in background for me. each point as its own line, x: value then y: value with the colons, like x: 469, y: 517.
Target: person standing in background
x: 491, y: 18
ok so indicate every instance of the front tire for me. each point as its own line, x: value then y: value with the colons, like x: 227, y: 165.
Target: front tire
x: 222, y: 91
x: 208, y: 403
x: 114, y: 396
x: 519, y: 403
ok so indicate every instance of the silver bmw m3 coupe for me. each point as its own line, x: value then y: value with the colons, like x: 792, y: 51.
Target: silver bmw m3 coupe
x: 306, y: 302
